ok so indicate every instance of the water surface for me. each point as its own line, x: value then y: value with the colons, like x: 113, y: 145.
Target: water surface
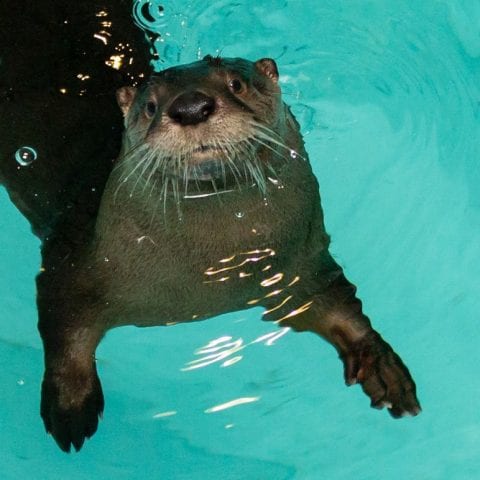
x: 388, y: 97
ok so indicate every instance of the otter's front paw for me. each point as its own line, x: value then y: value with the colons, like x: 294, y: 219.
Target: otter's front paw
x: 70, y: 407
x: 383, y: 376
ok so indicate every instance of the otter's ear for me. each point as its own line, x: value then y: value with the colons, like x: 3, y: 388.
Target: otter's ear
x: 268, y: 67
x: 125, y: 98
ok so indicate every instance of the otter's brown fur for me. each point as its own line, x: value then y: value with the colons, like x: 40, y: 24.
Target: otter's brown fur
x: 212, y: 207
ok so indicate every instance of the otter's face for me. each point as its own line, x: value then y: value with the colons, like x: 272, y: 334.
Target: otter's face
x: 212, y: 119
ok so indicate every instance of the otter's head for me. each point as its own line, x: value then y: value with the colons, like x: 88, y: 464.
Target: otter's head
x: 216, y: 122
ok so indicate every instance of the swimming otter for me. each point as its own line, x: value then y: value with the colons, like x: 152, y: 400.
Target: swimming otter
x: 211, y: 207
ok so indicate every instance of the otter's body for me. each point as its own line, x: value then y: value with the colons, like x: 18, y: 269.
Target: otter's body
x: 178, y: 266
x: 211, y: 207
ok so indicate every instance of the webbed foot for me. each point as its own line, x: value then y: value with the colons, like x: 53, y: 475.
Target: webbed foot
x: 70, y: 407
x: 383, y: 376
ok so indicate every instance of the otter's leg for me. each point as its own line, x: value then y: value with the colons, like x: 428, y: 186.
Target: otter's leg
x: 334, y: 312
x: 72, y: 398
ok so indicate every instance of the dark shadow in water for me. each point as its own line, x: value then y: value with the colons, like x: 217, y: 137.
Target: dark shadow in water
x: 60, y: 64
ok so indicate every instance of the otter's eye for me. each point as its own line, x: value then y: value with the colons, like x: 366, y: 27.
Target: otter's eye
x: 235, y: 85
x: 151, y: 109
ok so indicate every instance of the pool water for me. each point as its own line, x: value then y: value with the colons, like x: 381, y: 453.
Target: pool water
x: 388, y: 96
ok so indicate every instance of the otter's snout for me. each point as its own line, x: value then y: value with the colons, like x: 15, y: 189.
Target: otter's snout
x: 191, y: 108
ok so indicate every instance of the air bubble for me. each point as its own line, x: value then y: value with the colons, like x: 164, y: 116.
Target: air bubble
x: 25, y: 156
x: 239, y: 214
x: 293, y: 154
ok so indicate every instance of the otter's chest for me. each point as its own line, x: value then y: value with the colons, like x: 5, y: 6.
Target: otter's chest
x: 214, y: 255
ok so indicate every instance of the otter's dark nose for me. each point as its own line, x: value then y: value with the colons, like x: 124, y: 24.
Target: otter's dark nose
x: 191, y: 108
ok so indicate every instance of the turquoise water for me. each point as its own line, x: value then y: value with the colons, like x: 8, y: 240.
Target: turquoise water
x: 388, y: 97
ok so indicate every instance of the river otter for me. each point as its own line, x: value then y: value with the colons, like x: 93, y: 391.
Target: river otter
x: 211, y: 207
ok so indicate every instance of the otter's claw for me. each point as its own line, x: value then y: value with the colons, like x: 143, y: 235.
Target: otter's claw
x: 383, y: 376
x: 70, y: 408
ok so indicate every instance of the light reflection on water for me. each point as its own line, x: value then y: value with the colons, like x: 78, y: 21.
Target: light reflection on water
x: 243, y: 259
x: 224, y: 349
x: 231, y: 404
